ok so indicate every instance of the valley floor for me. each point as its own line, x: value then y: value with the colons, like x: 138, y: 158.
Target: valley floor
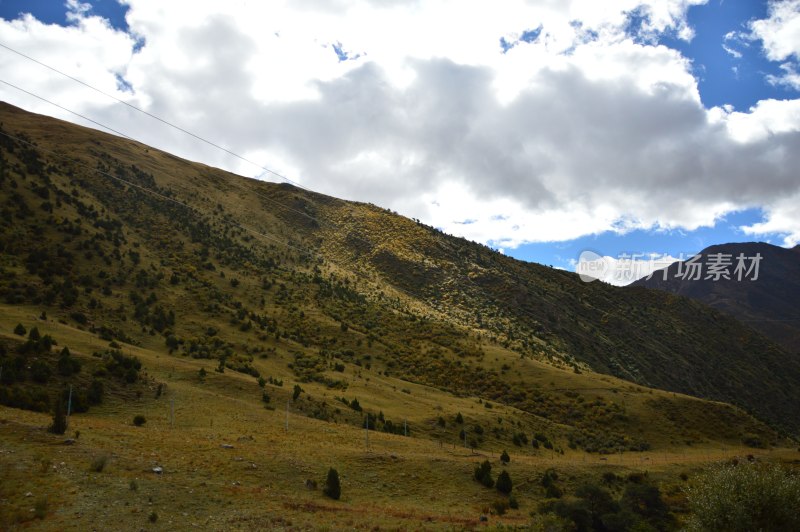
x: 228, y: 465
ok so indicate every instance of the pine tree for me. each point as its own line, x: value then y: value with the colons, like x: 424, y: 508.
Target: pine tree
x: 483, y: 474
x: 504, y: 484
x: 332, y: 487
x: 59, y: 425
x: 504, y: 457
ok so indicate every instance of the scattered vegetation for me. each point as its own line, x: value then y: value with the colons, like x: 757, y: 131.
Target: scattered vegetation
x: 483, y: 474
x: 332, y: 487
x: 745, y: 496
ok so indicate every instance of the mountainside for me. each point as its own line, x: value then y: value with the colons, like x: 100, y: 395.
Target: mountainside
x: 141, y: 248
x: 768, y: 303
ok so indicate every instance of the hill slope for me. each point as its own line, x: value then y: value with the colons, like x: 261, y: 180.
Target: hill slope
x: 768, y: 304
x: 137, y: 246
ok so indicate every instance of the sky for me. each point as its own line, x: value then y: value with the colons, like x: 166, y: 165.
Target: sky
x: 542, y: 128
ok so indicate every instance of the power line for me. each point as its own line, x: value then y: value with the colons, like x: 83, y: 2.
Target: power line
x: 120, y: 133
x: 67, y: 110
x: 257, y: 193
x: 153, y: 192
x: 168, y: 123
x: 155, y: 117
x: 162, y: 196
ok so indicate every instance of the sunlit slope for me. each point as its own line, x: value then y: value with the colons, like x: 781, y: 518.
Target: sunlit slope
x: 139, y: 246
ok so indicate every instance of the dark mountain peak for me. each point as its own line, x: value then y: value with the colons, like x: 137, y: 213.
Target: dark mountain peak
x: 763, y: 293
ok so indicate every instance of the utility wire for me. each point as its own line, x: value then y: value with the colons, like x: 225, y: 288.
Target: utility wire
x: 67, y: 110
x: 168, y: 123
x: 120, y: 133
x: 151, y: 191
x: 155, y: 117
x: 257, y: 193
x: 320, y: 222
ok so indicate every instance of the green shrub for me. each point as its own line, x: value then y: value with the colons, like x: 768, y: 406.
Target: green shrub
x: 40, y: 372
x: 139, y: 420
x: 99, y: 463
x: 66, y: 364
x: 747, y: 496
x: 333, y: 488
x: 504, y: 484
x: 752, y: 440
x: 483, y: 474
x: 548, y: 482
x: 59, y: 425
x: 40, y: 508
x: 645, y: 501
x: 96, y: 391
x: 20, y: 330
x: 504, y: 457
x: 499, y: 507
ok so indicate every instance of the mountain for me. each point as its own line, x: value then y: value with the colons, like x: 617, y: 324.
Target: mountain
x: 766, y: 299
x: 141, y: 247
x: 223, y: 342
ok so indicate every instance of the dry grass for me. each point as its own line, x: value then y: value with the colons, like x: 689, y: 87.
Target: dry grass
x: 260, y: 482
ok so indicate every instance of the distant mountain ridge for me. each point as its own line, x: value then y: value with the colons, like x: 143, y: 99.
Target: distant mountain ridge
x: 770, y: 304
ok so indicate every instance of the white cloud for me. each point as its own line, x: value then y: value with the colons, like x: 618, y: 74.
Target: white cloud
x: 782, y: 218
x: 780, y: 36
x: 780, y: 32
x: 622, y: 270
x: 583, y: 130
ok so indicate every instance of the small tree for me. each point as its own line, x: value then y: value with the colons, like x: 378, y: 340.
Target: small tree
x: 297, y: 391
x: 504, y: 457
x: 20, y: 330
x: 504, y: 484
x: 139, y: 420
x: 59, y: 425
x: 332, y: 487
x: 459, y: 418
x: 483, y: 474
x: 96, y: 391
x: 66, y: 364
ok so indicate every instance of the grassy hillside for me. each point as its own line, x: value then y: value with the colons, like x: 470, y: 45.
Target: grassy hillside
x: 240, y: 297
x: 229, y: 463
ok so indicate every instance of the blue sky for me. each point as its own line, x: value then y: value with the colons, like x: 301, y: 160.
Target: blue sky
x: 548, y: 126
x: 55, y: 11
x: 675, y: 243
x: 723, y: 79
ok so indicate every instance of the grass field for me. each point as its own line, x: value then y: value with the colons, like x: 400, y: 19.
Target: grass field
x: 229, y: 463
